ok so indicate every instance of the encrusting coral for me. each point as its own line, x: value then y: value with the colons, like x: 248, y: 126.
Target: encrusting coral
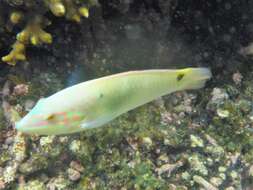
x: 34, y: 22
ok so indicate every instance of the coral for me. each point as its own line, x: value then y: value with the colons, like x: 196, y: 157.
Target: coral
x: 17, y: 54
x: 34, y: 33
x: 56, y: 6
x: 74, y: 13
x: 16, y: 17
x: 33, y: 22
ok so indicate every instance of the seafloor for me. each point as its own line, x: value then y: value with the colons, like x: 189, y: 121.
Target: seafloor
x: 200, y: 139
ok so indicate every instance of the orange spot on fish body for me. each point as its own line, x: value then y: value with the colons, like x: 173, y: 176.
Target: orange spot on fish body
x: 76, y: 118
x: 42, y: 123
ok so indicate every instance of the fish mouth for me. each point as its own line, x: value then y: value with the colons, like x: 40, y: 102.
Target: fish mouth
x: 19, y: 127
x: 205, y: 74
x: 201, y: 74
x: 22, y: 127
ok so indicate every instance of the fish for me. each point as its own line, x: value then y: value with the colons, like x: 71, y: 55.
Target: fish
x: 96, y: 102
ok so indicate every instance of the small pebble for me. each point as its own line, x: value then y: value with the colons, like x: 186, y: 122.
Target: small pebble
x: 29, y: 105
x: 230, y: 188
x: 9, y: 140
x: 166, y: 118
x: 201, y: 181
x: 234, y: 174
x: 73, y: 174
x: 169, y: 168
x: 216, y: 181
x: 147, y: 141
x: 250, y: 172
x: 76, y: 166
x: 237, y: 78
x: 196, y: 141
x: 222, y: 169
x: 20, y: 90
x: 2, y: 184
x: 218, y: 96
x: 222, y: 113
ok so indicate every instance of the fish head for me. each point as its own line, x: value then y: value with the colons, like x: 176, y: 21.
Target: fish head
x: 44, y: 119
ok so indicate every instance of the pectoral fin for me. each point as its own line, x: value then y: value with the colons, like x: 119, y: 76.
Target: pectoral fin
x: 95, y: 123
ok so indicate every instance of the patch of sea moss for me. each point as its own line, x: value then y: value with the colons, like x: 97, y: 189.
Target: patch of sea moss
x: 45, y: 153
x: 134, y: 174
x: 122, y: 152
x: 128, y: 151
x: 140, y: 123
x: 4, y: 156
x: 233, y: 131
x: 35, y: 163
x: 247, y: 85
x: 59, y: 182
x: 34, y: 184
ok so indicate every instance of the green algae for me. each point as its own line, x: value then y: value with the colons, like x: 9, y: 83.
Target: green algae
x: 5, y: 156
x: 2, y: 120
x: 128, y: 152
x: 34, y: 184
x: 35, y: 163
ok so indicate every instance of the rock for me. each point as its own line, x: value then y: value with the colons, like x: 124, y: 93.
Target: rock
x: 196, y: 141
x: 222, y: 113
x: 73, y: 174
x: 20, y: 90
x: 202, y: 182
x: 76, y: 166
x: 237, y: 78
x: 29, y: 105
x: 218, y: 96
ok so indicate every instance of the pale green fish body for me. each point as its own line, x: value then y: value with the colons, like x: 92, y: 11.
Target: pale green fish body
x: 96, y: 102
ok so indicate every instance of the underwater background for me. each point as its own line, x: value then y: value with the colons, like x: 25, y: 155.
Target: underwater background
x: 200, y: 139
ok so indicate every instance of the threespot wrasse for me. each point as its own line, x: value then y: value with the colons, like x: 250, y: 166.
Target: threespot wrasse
x: 94, y: 103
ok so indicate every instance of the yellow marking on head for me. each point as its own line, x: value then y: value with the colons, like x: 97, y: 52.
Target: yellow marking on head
x: 180, y: 76
x: 182, y: 73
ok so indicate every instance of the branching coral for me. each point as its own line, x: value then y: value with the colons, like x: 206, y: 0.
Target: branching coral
x: 34, y: 33
x: 34, y: 22
x: 17, y: 54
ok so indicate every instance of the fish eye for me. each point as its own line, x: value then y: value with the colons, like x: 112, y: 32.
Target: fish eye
x: 50, y: 117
